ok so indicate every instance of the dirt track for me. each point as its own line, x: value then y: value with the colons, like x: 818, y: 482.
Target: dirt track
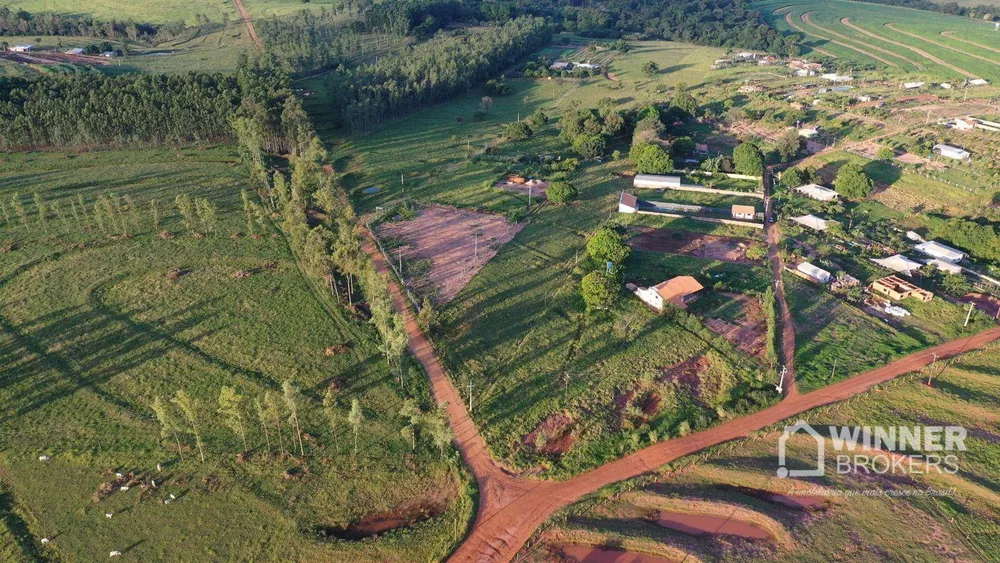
x: 791, y: 22
x: 921, y: 52
x: 808, y: 20
x: 512, y: 508
x: 942, y: 45
x: 951, y: 35
x: 249, y: 24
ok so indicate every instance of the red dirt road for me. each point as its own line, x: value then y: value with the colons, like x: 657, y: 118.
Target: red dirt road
x: 249, y: 24
x: 512, y: 508
x: 804, y: 31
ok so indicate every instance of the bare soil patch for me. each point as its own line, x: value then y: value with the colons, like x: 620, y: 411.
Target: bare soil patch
x: 448, y: 238
x: 595, y: 554
x: 712, y: 247
x: 705, y: 525
x: 985, y: 303
x: 553, y: 436
x: 750, y: 332
x: 45, y: 58
x: 402, y: 517
x: 688, y: 372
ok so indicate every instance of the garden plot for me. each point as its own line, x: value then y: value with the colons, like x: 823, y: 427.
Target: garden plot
x: 739, y: 319
x: 452, y: 245
x: 712, y: 247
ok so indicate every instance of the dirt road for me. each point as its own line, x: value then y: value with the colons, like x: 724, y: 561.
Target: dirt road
x: 942, y: 45
x: 921, y: 52
x: 249, y: 24
x: 500, y: 536
x: 805, y: 18
x: 785, y: 323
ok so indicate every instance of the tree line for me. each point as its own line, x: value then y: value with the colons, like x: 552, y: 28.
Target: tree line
x: 95, y: 109
x: 21, y: 22
x: 430, y: 72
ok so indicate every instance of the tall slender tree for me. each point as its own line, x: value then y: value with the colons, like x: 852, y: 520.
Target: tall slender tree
x: 189, y: 408
x: 293, y: 401
x: 168, y: 422
x: 355, y: 418
x: 274, y: 410
x: 231, y: 407
x: 264, y: 418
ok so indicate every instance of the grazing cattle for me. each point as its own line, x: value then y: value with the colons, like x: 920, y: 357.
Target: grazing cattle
x: 172, y: 497
x: 108, y: 515
x: 44, y: 458
x: 153, y: 481
x: 115, y: 553
x: 118, y: 475
x: 45, y: 541
x: 124, y: 489
x: 159, y: 467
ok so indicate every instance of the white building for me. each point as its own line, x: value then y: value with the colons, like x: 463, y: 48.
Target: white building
x: 747, y: 212
x: 899, y: 263
x: 816, y: 273
x: 808, y: 132
x: 913, y: 85
x: 628, y: 203
x: 964, y: 124
x: 833, y: 77
x: 588, y: 66
x: 952, y: 152
x: 946, y: 266
x: 812, y: 222
x: 942, y: 252
x: 817, y: 192
x: 946, y: 85
x: 76, y: 51
x: 20, y: 48
x: 677, y: 291
x: 978, y: 82
x: 559, y: 65
x: 656, y: 182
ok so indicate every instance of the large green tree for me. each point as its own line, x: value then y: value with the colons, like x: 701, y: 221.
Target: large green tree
x: 608, y: 246
x: 852, y: 182
x: 650, y: 158
x: 599, y: 290
x: 748, y: 159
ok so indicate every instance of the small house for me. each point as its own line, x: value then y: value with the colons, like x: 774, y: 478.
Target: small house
x: 946, y: 85
x: 812, y: 222
x: 818, y: 192
x: 978, y: 82
x: 913, y: 85
x: 899, y: 264
x: 747, y: 212
x: 560, y: 65
x: 808, y: 132
x: 964, y: 124
x: 767, y: 60
x: 628, y: 203
x: 945, y: 266
x: 588, y: 66
x: 109, y: 54
x: 656, y: 182
x: 897, y: 289
x: 20, y: 48
x: 952, y: 152
x: 677, y: 291
x: 815, y: 273
x: 75, y: 51
x: 833, y: 77
x: 940, y: 251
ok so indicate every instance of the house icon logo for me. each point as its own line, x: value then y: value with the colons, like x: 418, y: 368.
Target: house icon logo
x: 792, y: 430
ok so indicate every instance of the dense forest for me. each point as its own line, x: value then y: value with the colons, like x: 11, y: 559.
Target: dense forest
x: 20, y: 22
x: 430, y: 72
x: 97, y: 109
x: 309, y: 41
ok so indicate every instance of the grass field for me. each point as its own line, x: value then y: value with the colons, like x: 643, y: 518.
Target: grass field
x: 518, y: 331
x: 93, y: 328
x: 735, y: 481
x: 161, y: 11
x: 916, y: 42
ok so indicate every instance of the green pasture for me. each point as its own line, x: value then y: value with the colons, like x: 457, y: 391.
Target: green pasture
x: 92, y: 329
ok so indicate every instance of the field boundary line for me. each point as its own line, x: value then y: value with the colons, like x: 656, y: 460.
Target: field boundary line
x: 790, y: 21
x: 805, y: 18
x: 921, y: 52
x: 950, y: 35
x: 942, y: 45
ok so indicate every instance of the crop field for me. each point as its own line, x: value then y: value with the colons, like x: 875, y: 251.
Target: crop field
x: 932, y: 45
x: 95, y: 326
x: 834, y: 340
x: 736, y: 483
x: 161, y: 11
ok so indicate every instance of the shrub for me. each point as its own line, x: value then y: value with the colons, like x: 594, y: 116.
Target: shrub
x: 517, y: 131
x: 607, y: 246
x: 561, y: 192
x: 598, y: 290
x: 590, y: 146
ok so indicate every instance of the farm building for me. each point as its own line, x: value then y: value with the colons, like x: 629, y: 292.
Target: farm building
x: 952, y: 152
x: 865, y: 98
x: 945, y: 266
x: 815, y: 273
x: 808, y: 132
x: 896, y: 288
x: 20, y: 48
x: 832, y: 77
x: 899, y: 264
x: 751, y: 88
x: 978, y: 82
x: 811, y: 221
x: 656, y: 182
x: 942, y: 252
x: 677, y: 291
x: 109, y: 54
x: 913, y: 85
x: 560, y: 65
x: 748, y: 212
x: 767, y: 60
x: 588, y: 66
x: 76, y: 51
x: 628, y: 203
x: 817, y: 192
x: 946, y: 86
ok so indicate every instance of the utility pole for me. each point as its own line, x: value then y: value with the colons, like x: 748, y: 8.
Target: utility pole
x: 834, y: 372
x: 470, y: 396
x: 530, y: 186
x: 968, y: 316
x: 400, y: 253
x: 476, y: 239
x: 934, y: 361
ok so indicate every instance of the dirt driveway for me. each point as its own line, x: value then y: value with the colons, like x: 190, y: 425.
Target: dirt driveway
x: 711, y: 247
